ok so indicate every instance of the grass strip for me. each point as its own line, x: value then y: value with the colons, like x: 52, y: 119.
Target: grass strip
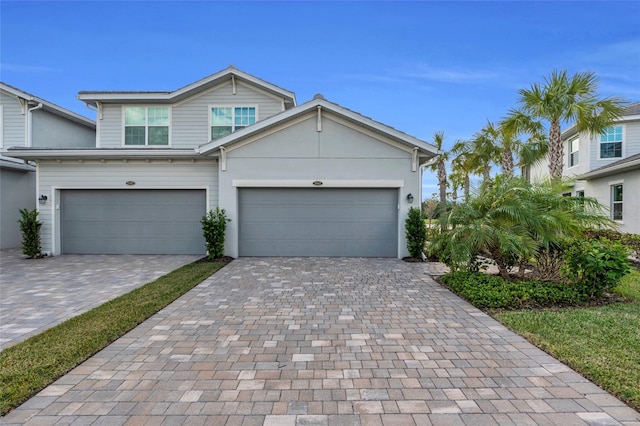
x: 28, y: 367
x: 601, y: 343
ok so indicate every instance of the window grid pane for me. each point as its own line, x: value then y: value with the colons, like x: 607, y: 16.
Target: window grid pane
x: 158, y: 116
x: 616, y: 202
x: 135, y: 116
x: 221, y: 116
x: 219, y: 131
x: 159, y: 135
x: 134, y: 135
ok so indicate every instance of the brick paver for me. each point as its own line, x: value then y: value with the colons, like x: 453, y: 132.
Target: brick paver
x: 322, y: 342
x: 36, y: 294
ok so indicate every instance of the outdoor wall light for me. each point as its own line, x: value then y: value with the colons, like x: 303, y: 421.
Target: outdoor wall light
x: 43, y: 199
x: 410, y: 199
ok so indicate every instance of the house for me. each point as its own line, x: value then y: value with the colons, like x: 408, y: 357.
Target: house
x: 607, y: 167
x: 28, y: 121
x: 314, y: 179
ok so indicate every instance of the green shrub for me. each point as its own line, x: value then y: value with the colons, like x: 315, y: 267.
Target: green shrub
x: 492, y: 292
x: 30, y: 230
x: 214, y: 225
x: 596, y: 266
x: 416, y: 232
x: 631, y: 241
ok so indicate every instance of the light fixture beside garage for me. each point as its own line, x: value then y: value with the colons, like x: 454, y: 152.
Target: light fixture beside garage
x: 43, y: 199
x: 410, y: 199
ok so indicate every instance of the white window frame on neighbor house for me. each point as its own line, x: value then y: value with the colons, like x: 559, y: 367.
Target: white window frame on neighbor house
x: 608, y: 136
x: 147, y: 125
x: 574, y: 152
x: 1, y: 126
x: 233, y: 125
x: 614, y: 202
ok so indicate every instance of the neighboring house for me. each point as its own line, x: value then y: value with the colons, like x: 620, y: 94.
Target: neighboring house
x: 607, y: 167
x: 28, y: 121
x: 295, y: 180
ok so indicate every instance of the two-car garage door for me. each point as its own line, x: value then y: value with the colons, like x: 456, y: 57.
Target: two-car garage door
x: 272, y: 222
x: 351, y: 222
x: 132, y: 221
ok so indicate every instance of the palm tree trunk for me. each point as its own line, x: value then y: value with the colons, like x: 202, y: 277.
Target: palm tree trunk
x: 556, y: 157
x: 507, y: 161
x: 466, y: 187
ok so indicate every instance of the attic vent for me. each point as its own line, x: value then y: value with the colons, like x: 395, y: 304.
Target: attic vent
x: 318, y: 96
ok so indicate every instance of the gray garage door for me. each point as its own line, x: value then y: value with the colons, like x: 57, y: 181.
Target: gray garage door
x: 318, y: 222
x: 133, y: 221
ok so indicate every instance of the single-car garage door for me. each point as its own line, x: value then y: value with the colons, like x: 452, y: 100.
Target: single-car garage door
x: 318, y: 222
x: 133, y: 221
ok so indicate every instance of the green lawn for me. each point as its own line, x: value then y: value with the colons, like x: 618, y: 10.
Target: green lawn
x: 30, y: 366
x: 601, y: 343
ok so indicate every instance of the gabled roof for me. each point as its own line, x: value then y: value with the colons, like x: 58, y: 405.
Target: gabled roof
x: 228, y: 74
x: 318, y: 101
x: 630, y: 163
x: 33, y: 100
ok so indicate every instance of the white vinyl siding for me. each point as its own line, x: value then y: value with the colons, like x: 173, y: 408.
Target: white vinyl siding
x: 13, y: 122
x: 113, y: 174
x: 190, y: 118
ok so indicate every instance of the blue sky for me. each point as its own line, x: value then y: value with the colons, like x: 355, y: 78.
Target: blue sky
x: 418, y: 66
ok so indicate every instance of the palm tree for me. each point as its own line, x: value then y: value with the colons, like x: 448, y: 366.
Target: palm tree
x: 511, y: 221
x: 440, y: 166
x: 534, y: 148
x: 563, y: 99
x: 463, y: 165
x: 483, y: 152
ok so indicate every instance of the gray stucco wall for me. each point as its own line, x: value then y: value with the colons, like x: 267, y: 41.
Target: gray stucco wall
x: 601, y: 190
x: 17, y: 191
x: 53, y: 131
x: 339, y: 155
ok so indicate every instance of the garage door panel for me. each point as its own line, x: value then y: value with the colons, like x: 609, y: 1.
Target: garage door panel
x: 133, y: 221
x: 318, y: 222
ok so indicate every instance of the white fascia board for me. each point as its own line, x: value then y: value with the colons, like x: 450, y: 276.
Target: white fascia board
x: 311, y: 106
x: 186, y: 91
x: 51, y: 107
x: 13, y: 164
x: 33, y: 154
x: 631, y: 165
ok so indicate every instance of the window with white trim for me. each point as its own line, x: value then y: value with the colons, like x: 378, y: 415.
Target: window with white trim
x: 616, y: 202
x: 574, y: 151
x: 146, y: 126
x: 611, y: 142
x: 226, y: 120
x: 1, y: 127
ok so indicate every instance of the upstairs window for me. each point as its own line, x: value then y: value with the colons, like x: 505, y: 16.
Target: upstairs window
x: 574, y: 151
x: 225, y: 120
x: 611, y: 142
x: 146, y: 126
x: 616, y: 202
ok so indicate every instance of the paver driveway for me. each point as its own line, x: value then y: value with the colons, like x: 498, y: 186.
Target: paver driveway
x: 322, y: 342
x: 38, y: 294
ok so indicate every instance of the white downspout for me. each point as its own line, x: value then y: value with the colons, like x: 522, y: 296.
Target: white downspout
x: 30, y: 124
